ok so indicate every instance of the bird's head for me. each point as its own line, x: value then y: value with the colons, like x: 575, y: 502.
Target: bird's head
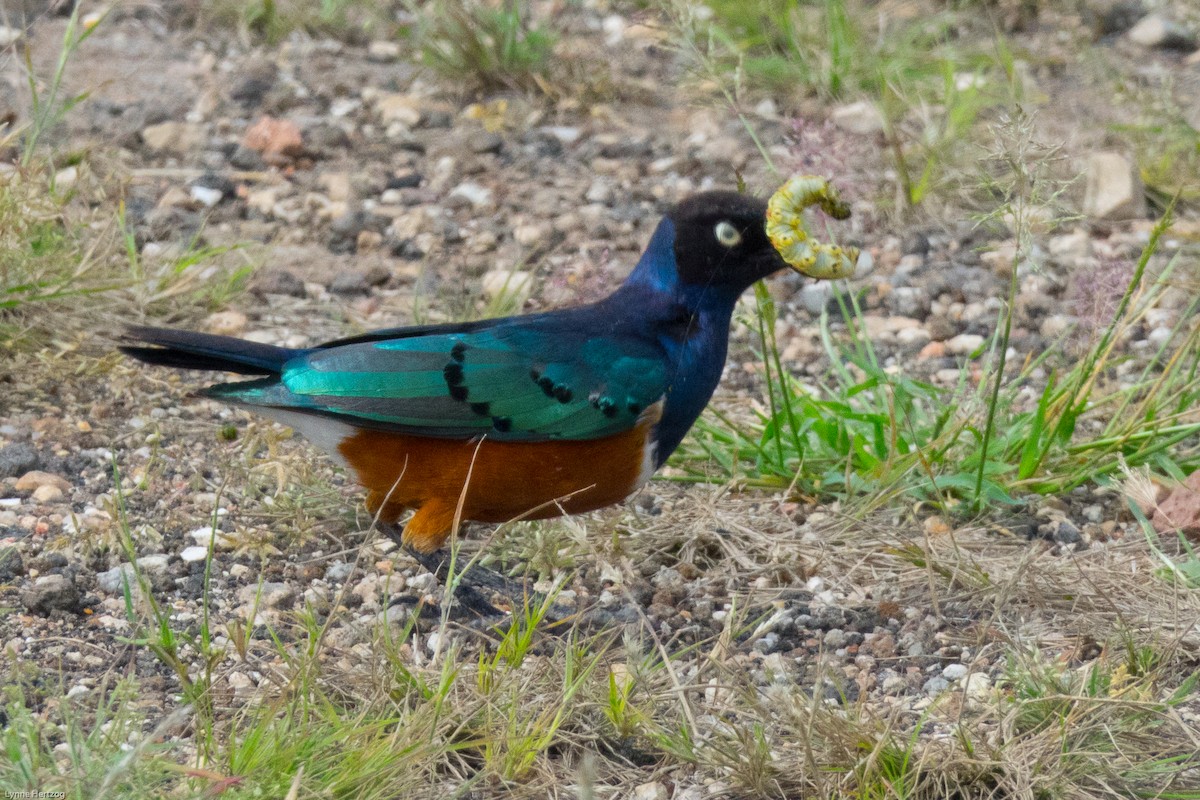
x: 709, y: 248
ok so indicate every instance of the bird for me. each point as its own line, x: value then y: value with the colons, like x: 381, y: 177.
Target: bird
x: 524, y: 417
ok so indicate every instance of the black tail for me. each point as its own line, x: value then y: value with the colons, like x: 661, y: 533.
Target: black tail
x: 189, y: 350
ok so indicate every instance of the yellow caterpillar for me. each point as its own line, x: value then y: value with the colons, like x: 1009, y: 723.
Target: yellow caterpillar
x: 785, y: 228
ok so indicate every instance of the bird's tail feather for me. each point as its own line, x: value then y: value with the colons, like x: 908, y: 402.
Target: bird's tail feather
x: 190, y: 350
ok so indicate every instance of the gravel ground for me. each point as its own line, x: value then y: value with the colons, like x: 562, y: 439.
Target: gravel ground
x: 373, y: 194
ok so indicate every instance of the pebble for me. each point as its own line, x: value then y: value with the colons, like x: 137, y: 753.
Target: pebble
x: 473, y: 194
x: 17, y: 458
x: 193, y: 554
x: 52, y: 593
x: 205, y: 195
x: 424, y: 583
x: 600, y: 191
x: 226, y: 323
x: 651, y: 791
x: 204, y: 536
x: 1067, y: 533
x: 1159, y: 336
x: 531, y: 235
x: 977, y: 686
x: 1156, y: 31
x: 338, y: 571
x: 954, y: 672
x: 8, y: 35
x: 383, y: 50
x: 398, y: 108
x: 350, y: 282
x: 563, y: 133
x: 174, y: 138
x: 153, y: 568
x: 278, y: 281
x: 47, y: 494
x: 1114, y: 188
x: 815, y: 296
x: 36, y: 479
x: 271, y: 594
x: 935, y: 686
x: 964, y: 344
x: 909, y: 301
x: 256, y: 77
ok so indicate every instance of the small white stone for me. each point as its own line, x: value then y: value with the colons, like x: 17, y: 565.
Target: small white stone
x: 383, y: 50
x: 206, y: 196
x: 1154, y: 30
x: 767, y: 109
x: 650, y: 791
x: 564, y: 133
x: 475, y: 194
x: 954, y: 672
x: 977, y: 685
x: 1114, y: 189
x: 614, y: 29
x: 65, y: 178
x: 194, y: 553
x: 964, y: 344
x: 203, y: 536
x: 1159, y: 336
x: 531, y: 234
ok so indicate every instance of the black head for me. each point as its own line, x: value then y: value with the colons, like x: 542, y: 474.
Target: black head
x: 721, y: 241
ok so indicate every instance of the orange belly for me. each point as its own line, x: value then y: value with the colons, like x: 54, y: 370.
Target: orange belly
x: 497, y: 481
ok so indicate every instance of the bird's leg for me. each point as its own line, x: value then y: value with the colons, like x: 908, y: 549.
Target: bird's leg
x: 468, y: 583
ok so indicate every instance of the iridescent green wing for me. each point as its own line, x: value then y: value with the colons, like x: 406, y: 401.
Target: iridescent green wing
x: 513, y: 381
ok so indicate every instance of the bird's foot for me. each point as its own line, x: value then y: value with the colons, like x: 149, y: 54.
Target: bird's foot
x: 472, y: 586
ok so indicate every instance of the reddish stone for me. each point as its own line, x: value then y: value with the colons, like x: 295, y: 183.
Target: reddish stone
x: 1180, y: 511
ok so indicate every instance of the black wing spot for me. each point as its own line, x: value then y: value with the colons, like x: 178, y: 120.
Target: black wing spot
x: 634, y: 407
x: 607, y: 407
x: 536, y: 375
x: 458, y: 352
x: 502, y: 424
x: 453, y: 373
x: 482, y: 409
x: 563, y: 393
x: 547, y: 385
x: 459, y: 393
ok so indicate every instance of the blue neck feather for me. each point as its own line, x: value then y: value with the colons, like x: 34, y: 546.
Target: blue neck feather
x: 655, y: 289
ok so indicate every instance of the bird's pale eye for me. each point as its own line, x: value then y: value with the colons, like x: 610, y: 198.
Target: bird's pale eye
x: 726, y: 234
